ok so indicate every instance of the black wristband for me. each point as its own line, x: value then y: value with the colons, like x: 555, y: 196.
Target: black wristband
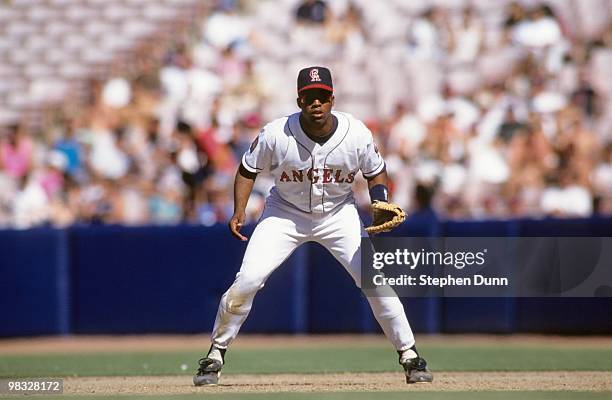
x: 246, y: 173
x: 379, y: 192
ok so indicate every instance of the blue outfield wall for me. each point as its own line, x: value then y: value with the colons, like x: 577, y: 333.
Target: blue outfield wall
x: 34, y: 282
x: 117, y: 280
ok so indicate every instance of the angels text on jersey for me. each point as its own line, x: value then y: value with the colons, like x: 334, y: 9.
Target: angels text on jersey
x: 313, y: 177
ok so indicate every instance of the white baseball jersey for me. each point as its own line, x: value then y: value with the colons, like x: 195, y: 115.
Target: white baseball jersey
x: 313, y: 177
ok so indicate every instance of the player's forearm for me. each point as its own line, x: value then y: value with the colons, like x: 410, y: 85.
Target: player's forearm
x: 380, y: 179
x: 242, y: 190
x: 377, y: 187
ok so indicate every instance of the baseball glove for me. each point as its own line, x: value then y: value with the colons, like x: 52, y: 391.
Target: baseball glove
x: 385, y: 217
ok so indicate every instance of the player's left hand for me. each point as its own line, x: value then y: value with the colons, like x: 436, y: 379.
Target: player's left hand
x: 385, y: 217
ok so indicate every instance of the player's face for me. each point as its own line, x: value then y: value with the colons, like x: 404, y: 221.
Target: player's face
x: 316, y: 105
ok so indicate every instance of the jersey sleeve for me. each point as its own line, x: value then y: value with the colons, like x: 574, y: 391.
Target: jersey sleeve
x: 371, y: 162
x: 258, y: 157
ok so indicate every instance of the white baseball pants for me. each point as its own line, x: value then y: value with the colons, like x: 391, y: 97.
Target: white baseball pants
x: 280, y: 231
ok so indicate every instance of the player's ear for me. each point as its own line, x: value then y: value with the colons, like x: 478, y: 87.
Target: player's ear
x: 299, y: 102
x: 333, y: 99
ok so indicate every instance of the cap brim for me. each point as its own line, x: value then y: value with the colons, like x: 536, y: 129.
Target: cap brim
x: 317, y: 86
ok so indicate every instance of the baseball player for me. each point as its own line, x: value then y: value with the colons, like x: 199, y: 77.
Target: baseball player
x: 314, y: 156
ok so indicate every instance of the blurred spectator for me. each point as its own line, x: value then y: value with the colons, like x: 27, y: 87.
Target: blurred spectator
x: 165, y: 207
x: 586, y: 97
x: 312, y: 11
x: 602, y: 182
x: 425, y: 34
x: 30, y: 204
x: 540, y: 29
x: 423, y: 213
x: 515, y: 14
x: 566, y: 197
x: 193, y: 164
x: 16, y: 152
x: 406, y: 132
x: 481, y: 111
x: 107, y: 158
x: 510, y: 126
x: 467, y: 37
x: 71, y: 149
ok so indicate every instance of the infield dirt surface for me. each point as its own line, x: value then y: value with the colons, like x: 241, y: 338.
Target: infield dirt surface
x: 600, y: 381
x: 349, y: 382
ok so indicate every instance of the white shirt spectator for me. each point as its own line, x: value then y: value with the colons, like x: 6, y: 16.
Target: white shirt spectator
x: 202, y: 87
x: 468, y: 40
x: 187, y: 159
x: 106, y: 158
x: 117, y: 93
x: 8, y: 191
x: 31, y: 205
x: 548, y: 102
x: 572, y: 201
x: 486, y: 163
x: 427, y: 171
x: 174, y: 83
x: 465, y: 113
x: 431, y: 107
x: 537, y: 33
x: 602, y: 178
x: 424, y: 39
x: 407, y: 135
x: 453, y: 180
x: 222, y: 29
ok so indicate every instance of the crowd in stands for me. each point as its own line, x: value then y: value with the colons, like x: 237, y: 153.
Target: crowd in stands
x: 491, y: 111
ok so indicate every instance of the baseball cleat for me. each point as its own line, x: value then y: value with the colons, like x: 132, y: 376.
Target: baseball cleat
x: 208, y: 372
x: 416, y: 371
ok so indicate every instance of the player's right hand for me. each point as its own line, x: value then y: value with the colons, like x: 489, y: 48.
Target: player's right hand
x: 236, y: 223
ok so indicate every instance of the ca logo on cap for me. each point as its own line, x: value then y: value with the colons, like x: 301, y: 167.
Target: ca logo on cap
x: 314, y: 75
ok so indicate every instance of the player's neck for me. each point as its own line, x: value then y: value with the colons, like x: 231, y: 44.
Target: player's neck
x: 315, y: 130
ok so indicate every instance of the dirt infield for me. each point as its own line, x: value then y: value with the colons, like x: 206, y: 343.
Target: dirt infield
x: 331, y: 382
x: 354, y: 382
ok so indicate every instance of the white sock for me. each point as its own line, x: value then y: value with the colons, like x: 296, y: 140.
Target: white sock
x: 215, y: 354
x: 408, y: 355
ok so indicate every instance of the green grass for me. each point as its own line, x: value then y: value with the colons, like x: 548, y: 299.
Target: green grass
x: 313, y: 360
x: 367, y: 396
